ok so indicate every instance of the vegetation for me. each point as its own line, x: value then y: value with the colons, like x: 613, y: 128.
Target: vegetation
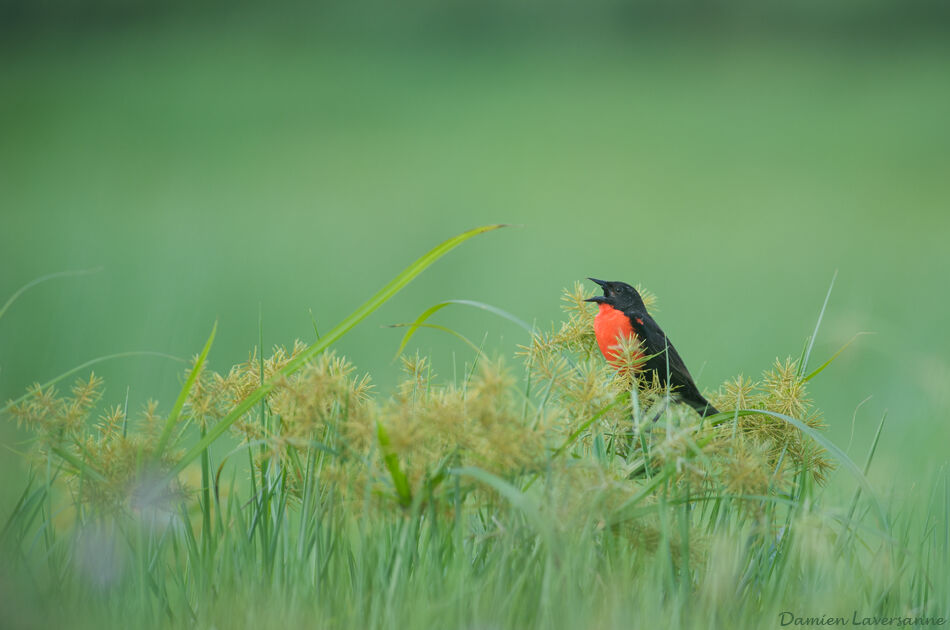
x: 533, y: 493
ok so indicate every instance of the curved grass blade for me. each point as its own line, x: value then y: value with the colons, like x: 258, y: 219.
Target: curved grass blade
x: 381, y: 297
x: 91, y: 362
x: 183, y: 394
x: 32, y: 283
x: 432, y: 310
x: 445, y: 329
x: 821, y: 367
x: 838, y: 454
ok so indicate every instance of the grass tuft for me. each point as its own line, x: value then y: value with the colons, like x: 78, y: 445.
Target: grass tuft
x: 532, y: 494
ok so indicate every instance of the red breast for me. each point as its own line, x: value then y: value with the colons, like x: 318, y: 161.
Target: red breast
x: 609, y: 326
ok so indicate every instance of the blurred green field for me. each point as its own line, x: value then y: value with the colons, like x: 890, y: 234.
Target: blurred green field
x: 215, y: 169
x: 253, y: 165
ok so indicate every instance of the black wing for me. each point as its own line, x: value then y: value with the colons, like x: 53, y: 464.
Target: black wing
x: 666, y: 360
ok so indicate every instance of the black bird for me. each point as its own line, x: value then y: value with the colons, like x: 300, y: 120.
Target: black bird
x: 623, y: 314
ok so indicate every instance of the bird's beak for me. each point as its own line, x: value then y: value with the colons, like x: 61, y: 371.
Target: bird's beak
x: 599, y: 299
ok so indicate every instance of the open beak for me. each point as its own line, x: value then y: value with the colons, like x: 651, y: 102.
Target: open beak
x: 599, y: 299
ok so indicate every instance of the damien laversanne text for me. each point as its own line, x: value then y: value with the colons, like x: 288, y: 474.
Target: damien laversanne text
x: 791, y: 619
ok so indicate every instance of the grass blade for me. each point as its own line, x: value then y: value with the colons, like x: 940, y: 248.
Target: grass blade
x: 838, y: 454
x: 867, y: 467
x: 821, y: 367
x: 90, y: 363
x: 183, y: 394
x: 78, y: 464
x: 400, y: 483
x: 811, y: 342
x: 518, y: 499
x: 432, y: 310
x: 445, y: 329
x: 32, y: 283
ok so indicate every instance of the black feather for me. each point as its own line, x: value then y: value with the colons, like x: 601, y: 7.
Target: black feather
x: 665, y: 361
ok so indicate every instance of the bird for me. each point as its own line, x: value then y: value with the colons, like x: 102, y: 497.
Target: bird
x: 622, y: 313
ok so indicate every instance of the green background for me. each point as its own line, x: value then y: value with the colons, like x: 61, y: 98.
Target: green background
x: 220, y: 163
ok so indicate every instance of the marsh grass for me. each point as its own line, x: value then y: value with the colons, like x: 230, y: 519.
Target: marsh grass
x: 532, y: 492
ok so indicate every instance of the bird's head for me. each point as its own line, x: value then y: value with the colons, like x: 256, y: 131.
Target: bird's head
x: 619, y: 295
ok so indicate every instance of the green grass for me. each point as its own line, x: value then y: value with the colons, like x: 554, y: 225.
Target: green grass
x: 265, y: 176
x: 489, y: 501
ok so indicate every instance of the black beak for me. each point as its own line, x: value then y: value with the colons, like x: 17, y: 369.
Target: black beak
x: 599, y: 299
